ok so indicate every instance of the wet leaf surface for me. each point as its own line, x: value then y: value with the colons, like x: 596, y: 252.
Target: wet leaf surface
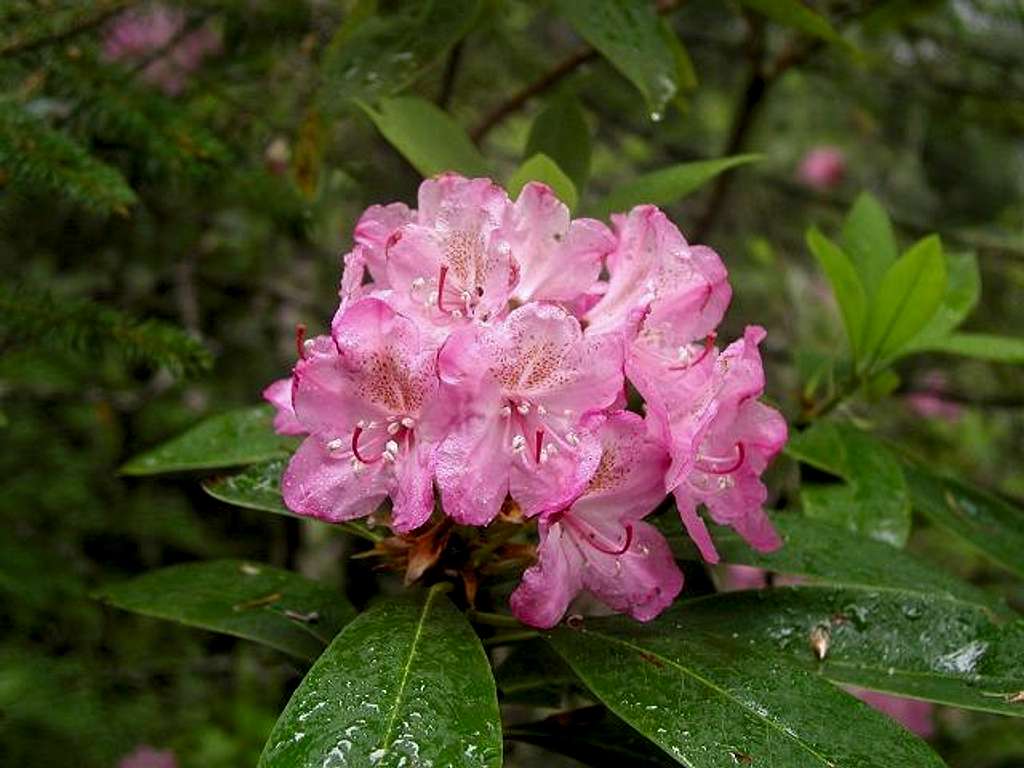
x: 894, y: 641
x: 236, y: 438
x: 405, y: 684
x: 250, y: 600
x: 711, y: 702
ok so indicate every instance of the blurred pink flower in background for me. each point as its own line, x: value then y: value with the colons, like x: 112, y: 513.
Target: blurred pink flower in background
x: 145, y: 756
x: 928, y: 399
x: 822, y: 168
x: 916, y: 716
x: 138, y: 34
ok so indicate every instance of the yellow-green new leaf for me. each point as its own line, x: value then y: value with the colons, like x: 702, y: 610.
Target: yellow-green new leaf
x: 542, y: 168
x: 908, y: 297
x: 845, y: 284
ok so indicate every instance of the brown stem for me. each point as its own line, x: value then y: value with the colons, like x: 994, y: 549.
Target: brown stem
x: 515, y: 102
x: 451, y: 71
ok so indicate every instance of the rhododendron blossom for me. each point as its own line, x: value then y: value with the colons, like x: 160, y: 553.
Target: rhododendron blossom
x: 483, y: 347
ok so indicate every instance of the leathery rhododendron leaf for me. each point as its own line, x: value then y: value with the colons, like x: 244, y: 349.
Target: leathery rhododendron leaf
x: 243, y: 436
x: 406, y: 683
x: 710, y: 701
x: 251, y: 600
x: 899, y: 641
x: 809, y: 550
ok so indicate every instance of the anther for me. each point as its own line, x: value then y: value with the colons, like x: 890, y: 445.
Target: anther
x: 506, y: 411
x: 523, y: 408
x: 518, y: 443
x: 393, y: 428
x: 408, y: 422
x: 335, y: 444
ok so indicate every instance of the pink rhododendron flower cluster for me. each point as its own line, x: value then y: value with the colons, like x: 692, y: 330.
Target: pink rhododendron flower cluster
x: 484, y: 347
x: 139, y: 35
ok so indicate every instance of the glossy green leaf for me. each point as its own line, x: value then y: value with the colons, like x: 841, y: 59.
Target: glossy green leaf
x: 963, y: 288
x: 890, y: 640
x: 686, y: 73
x: 628, y: 34
x: 712, y: 702
x: 868, y: 240
x: 407, y: 683
x: 809, y: 549
x: 427, y: 137
x: 235, y: 438
x: 595, y: 737
x: 846, y: 286
x: 256, y: 487
x: 982, y: 346
x: 258, y: 602
x: 795, y: 15
x: 380, y: 53
x: 542, y: 168
x: 259, y: 487
x: 992, y: 526
x: 874, y: 500
x: 668, y: 185
x: 908, y: 298
x: 561, y: 132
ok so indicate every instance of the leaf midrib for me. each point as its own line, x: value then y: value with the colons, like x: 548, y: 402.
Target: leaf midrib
x: 710, y: 685
x: 386, y: 740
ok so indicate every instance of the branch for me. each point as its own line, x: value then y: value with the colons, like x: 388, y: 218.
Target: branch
x: 31, y: 42
x: 517, y: 100
x: 566, y: 67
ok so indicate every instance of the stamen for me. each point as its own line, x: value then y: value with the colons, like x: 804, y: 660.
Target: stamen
x: 391, y: 242
x: 518, y: 443
x: 506, y: 411
x: 709, y: 343
x: 541, y: 410
x: 408, y: 422
x: 335, y: 444
x: 703, y: 462
x: 537, y: 449
x: 393, y: 428
x: 355, y: 446
x: 523, y: 408
x: 591, y: 537
x: 300, y: 338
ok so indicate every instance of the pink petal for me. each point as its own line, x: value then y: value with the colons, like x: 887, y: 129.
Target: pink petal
x: 557, y: 481
x: 694, y: 524
x: 449, y: 202
x: 558, y: 260
x: 472, y: 467
x: 548, y: 586
x: 326, y: 485
x: 323, y: 394
x: 641, y: 582
x: 413, y: 497
x: 373, y: 232
x: 279, y: 394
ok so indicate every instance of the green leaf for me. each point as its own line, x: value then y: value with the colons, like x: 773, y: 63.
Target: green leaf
x: 259, y: 487
x: 376, y: 54
x: 795, y: 15
x: 899, y: 642
x: 274, y: 607
x: 235, y: 438
x: 908, y: 297
x: 561, y: 132
x: 992, y: 526
x: 809, y: 550
x: 686, y: 74
x: 874, y: 501
x: 407, y: 683
x: 983, y: 346
x: 709, y: 701
x: 963, y: 287
x: 542, y: 168
x: 629, y: 35
x: 427, y: 137
x: 534, y: 674
x: 669, y: 184
x: 593, y: 736
x: 868, y: 240
x: 845, y: 284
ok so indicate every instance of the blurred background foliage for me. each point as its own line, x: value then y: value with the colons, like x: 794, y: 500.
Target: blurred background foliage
x: 174, y: 198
